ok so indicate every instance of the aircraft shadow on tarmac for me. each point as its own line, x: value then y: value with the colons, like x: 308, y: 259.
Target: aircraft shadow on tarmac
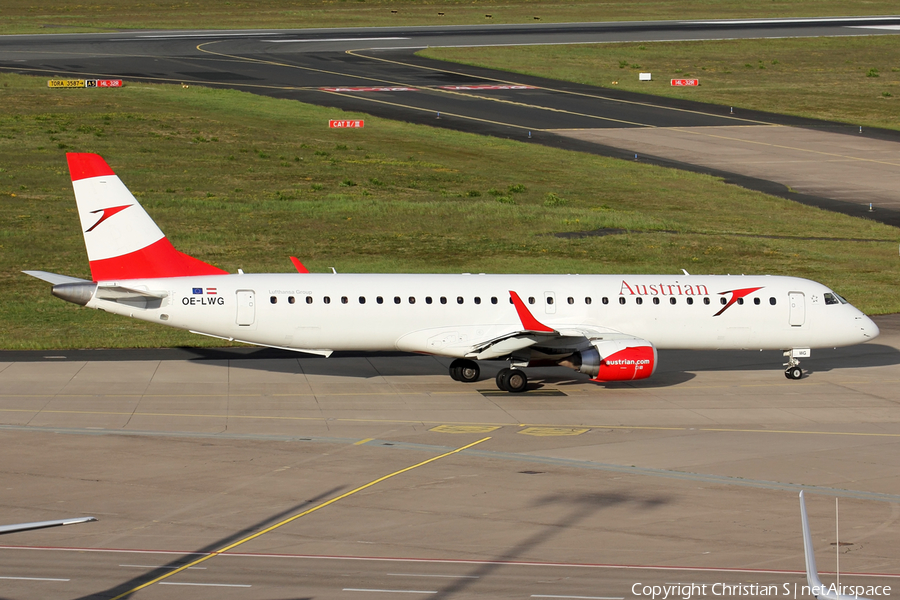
x: 675, y: 367
x: 128, y: 586
x: 582, y: 506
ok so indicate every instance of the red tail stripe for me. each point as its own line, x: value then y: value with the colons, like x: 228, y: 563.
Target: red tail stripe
x: 159, y: 259
x: 85, y: 166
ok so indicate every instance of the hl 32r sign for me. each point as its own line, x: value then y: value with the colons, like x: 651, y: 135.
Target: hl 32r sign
x: 679, y: 82
x: 345, y: 124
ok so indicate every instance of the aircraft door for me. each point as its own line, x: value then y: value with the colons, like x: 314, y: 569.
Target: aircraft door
x: 246, y: 307
x: 550, y: 302
x: 797, y: 303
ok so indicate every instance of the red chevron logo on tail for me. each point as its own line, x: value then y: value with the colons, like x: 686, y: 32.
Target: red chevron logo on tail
x: 107, y: 213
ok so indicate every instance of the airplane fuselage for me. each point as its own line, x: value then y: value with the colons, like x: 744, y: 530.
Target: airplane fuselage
x: 446, y: 314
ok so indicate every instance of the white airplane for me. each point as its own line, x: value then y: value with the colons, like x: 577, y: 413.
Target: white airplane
x: 816, y: 587
x: 606, y: 326
x: 43, y: 524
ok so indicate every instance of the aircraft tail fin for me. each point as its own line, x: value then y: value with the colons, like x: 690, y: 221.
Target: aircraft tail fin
x: 122, y: 240
x: 812, y: 574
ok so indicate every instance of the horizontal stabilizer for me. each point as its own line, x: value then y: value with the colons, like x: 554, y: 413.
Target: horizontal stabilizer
x: 118, y: 292
x: 55, y: 278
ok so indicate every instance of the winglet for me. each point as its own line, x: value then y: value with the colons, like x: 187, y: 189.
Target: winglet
x: 812, y: 574
x: 528, y: 320
x: 299, y: 265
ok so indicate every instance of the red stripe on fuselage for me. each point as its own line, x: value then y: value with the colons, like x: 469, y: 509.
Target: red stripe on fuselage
x: 159, y: 259
x: 85, y: 166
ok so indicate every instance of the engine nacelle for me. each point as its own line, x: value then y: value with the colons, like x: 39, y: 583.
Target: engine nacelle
x: 616, y: 360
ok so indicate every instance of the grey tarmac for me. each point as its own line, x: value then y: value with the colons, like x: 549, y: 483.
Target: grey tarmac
x: 689, y: 477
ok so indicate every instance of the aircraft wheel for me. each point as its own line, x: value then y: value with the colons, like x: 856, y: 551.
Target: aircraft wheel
x: 464, y: 370
x: 794, y: 373
x: 512, y: 380
x: 502, y: 376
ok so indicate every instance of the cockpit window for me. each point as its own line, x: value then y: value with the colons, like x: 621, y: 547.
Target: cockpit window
x: 832, y: 298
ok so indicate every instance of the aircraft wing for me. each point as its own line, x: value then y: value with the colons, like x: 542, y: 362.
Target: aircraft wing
x: 43, y: 524
x: 544, y: 340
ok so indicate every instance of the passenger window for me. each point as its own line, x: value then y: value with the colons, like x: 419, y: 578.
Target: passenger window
x: 443, y: 300
x: 530, y: 299
x: 621, y: 299
x: 605, y: 300
x: 308, y: 299
x: 412, y: 299
x: 723, y: 301
x: 690, y: 300
x: 493, y: 299
x: 459, y: 300
x: 362, y: 299
x: 477, y: 300
x: 396, y: 299
x: 290, y: 299
x: 706, y: 300
x: 672, y: 300
x: 587, y: 300
x: 756, y: 301
x: 570, y: 300
x: 740, y: 301
x: 549, y: 299
x: 273, y: 299
x: 427, y: 299
x: 638, y: 300
x: 379, y: 300
x: 326, y: 300
x: 656, y: 300
x: 772, y: 301
x: 344, y: 300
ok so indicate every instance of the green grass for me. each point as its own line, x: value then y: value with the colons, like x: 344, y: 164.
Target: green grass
x: 244, y: 181
x: 51, y: 16
x: 848, y: 79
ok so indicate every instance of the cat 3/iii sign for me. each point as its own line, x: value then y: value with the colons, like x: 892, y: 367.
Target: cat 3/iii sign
x: 346, y: 124
x: 84, y: 83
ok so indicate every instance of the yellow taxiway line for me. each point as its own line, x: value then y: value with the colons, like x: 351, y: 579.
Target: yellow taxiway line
x: 294, y: 518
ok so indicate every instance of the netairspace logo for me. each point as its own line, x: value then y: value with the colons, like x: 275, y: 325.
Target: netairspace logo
x: 686, y: 591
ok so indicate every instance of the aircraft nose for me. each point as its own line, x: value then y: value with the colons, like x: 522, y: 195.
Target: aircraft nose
x: 869, y: 329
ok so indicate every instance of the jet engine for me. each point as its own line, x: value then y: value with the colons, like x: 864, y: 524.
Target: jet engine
x: 615, y: 360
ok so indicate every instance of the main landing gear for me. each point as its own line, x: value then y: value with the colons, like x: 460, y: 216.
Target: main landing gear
x: 464, y: 370
x: 508, y: 380
x: 512, y: 380
x: 792, y: 370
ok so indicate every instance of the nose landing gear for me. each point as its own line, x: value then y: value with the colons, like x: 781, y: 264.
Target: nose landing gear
x: 792, y: 366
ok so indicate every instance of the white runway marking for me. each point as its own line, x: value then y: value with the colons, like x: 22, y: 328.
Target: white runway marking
x: 156, y: 567
x: 445, y: 576
x: 391, y: 591
x: 34, y: 579
x: 205, y: 584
